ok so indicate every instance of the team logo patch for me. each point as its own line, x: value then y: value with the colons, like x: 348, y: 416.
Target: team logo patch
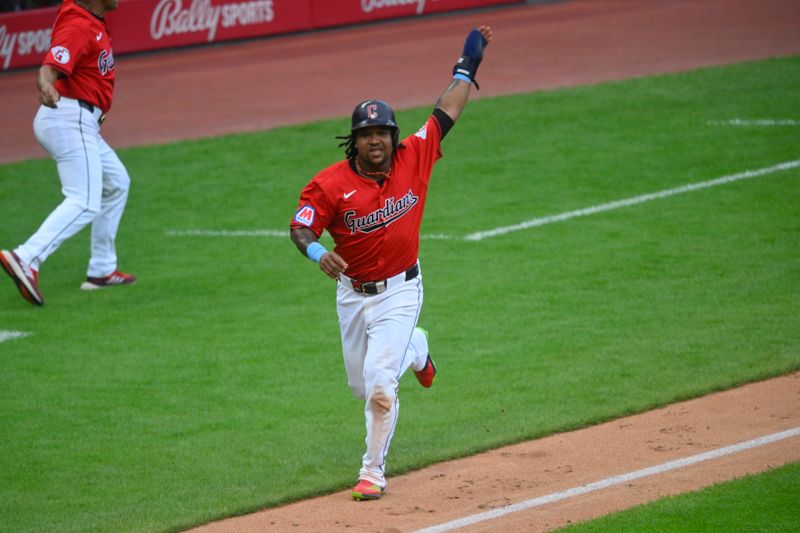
x: 305, y: 215
x: 60, y: 54
x: 422, y: 133
x: 372, y: 111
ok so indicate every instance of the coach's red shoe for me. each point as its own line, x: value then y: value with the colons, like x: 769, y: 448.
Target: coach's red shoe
x: 26, y: 278
x: 115, y: 278
x: 426, y: 375
x: 366, y: 490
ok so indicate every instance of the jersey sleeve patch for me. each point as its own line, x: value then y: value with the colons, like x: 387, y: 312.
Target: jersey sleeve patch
x: 422, y: 133
x: 60, y: 54
x: 305, y: 215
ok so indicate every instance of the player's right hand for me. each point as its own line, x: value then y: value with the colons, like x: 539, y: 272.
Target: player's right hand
x: 48, y: 96
x: 332, y: 264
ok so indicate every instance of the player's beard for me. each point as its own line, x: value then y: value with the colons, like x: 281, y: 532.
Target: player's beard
x: 374, y: 168
x: 377, y: 160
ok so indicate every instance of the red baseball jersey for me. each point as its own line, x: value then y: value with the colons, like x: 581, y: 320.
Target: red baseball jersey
x: 80, y: 48
x: 375, y: 226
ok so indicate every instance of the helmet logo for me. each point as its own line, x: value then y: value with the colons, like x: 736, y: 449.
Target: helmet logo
x: 372, y: 111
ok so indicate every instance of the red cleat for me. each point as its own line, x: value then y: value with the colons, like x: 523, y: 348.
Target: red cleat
x: 367, y: 490
x: 26, y: 278
x: 426, y: 375
x: 113, y: 279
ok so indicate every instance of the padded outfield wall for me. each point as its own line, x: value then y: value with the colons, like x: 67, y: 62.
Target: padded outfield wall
x: 141, y: 25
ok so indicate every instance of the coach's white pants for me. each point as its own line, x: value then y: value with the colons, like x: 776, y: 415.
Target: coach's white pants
x: 379, y: 343
x: 94, y: 183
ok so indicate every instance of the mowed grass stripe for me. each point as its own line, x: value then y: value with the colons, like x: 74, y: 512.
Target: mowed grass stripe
x: 536, y: 222
x: 627, y: 202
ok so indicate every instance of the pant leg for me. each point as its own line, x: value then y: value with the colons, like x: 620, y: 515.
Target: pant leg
x: 391, y: 325
x: 353, y: 329
x: 70, y: 134
x: 116, y: 184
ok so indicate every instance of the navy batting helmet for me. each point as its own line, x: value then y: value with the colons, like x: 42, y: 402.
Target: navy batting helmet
x: 373, y: 113
x: 370, y: 113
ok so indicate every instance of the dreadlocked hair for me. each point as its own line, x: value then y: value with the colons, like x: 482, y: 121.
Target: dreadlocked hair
x: 349, y: 145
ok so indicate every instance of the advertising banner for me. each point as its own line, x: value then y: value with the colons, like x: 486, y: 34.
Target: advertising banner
x: 140, y: 25
x: 25, y: 37
x: 328, y: 13
x: 151, y: 24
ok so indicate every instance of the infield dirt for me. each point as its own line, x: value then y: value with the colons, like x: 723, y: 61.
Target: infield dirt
x: 466, y: 487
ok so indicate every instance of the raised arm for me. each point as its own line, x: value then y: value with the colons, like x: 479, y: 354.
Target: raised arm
x: 455, y: 96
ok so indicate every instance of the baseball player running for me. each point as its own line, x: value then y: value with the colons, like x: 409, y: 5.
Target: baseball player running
x: 371, y: 204
x: 76, y: 83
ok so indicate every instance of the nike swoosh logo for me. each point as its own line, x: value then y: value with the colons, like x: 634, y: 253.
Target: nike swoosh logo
x: 349, y: 194
x: 99, y: 36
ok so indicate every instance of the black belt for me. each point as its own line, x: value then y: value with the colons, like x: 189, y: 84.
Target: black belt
x: 372, y: 288
x: 90, y: 108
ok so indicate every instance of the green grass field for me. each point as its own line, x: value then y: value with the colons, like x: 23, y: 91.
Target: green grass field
x: 215, y: 385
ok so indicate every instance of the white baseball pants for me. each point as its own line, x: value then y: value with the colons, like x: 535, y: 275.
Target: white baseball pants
x: 94, y: 183
x: 380, y: 342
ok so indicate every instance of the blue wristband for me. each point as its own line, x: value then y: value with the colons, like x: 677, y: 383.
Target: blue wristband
x: 315, y: 251
x: 462, y: 77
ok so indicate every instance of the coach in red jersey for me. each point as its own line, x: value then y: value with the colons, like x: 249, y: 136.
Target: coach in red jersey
x: 372, y: 204
x: 76, y: 86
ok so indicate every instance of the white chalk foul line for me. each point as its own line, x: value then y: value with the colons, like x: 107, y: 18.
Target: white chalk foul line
x: 631, y: 201
x: 265, y: 233
x: 612, y: 481
x: 228, y: 233
x: 6, y: 335
x: 757, y: 122
x: 536, y: 222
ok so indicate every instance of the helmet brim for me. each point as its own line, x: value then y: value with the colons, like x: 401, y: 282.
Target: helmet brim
x: 373, y: 122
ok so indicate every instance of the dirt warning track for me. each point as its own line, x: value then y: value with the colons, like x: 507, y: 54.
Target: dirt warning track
x: 261, y: 84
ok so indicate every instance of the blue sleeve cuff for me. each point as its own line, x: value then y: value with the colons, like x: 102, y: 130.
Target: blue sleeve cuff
x: 462, y: 77
x: 315, y: 251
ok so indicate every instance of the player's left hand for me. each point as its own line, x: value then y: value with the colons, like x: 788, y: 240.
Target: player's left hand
x: 472, y: 54
x: 486, y: 32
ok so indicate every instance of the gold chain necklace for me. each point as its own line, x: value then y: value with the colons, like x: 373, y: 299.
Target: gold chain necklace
x: 379, y: 173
